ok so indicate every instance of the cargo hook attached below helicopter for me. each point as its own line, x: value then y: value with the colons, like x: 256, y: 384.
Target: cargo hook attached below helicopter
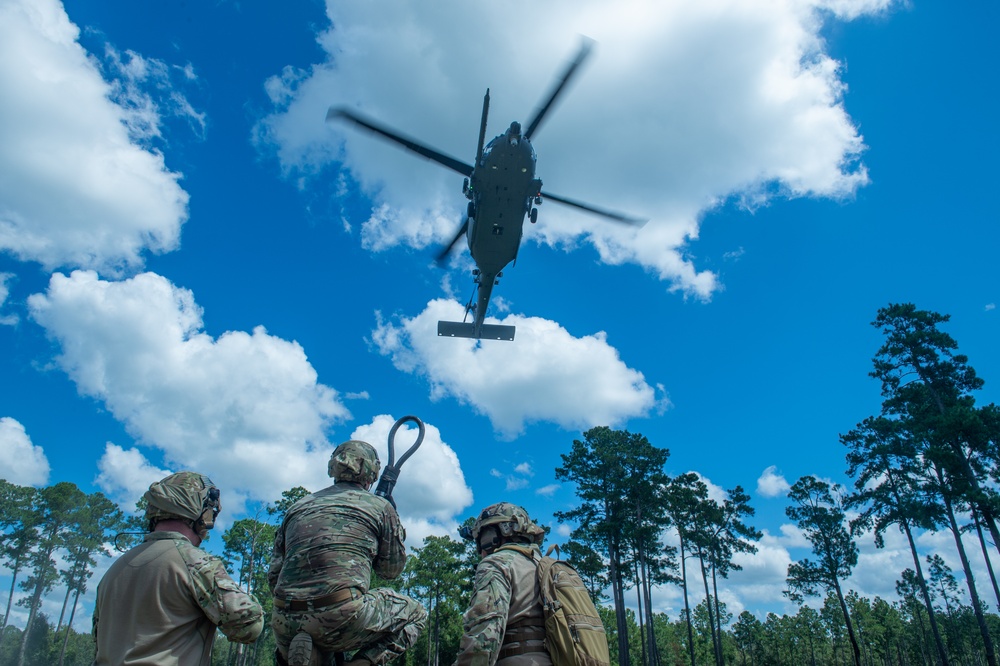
x: 502, y: 191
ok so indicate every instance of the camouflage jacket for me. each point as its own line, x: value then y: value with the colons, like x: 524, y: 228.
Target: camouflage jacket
x: 505, y: 593
x: 160, y: 603
x: 332, y: 539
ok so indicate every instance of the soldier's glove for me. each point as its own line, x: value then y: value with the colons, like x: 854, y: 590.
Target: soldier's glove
x: 387, y: 483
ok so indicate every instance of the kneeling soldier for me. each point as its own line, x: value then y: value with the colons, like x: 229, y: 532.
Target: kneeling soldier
x: 321, y: 568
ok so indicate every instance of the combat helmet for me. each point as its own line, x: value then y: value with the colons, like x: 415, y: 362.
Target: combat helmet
x: 511, y: 522
x: 354, y: 461
x: 186, y: 496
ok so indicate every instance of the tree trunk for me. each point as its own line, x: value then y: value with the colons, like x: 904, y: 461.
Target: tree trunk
x: 991, y: 657
x: 62, y: 613
x: 942, y: 653
x: 654, y: 651
x: 69, y: 627
x: 614, y: 567
x: 642, y: 618
x: 923, y: 635
x: 847, y: 620
x: 36, y: 602
x: 687, y: 605
x: 429, y: 641
x: 986, y: 555
x: 437, y: 630
x: 718, y: 613
x: 708, y: 605
x: 10, y: 596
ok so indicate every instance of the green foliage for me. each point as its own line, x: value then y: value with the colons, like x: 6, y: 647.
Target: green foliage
x: 20, y: 520
x: 435, y: 574
x: 931, y: 452
x: 288, y: 498
x: 820, y: 515
x: 590, y: 566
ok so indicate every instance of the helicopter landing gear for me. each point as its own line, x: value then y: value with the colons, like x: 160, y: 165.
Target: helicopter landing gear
x: 533, y: 215
x: 471, y: 211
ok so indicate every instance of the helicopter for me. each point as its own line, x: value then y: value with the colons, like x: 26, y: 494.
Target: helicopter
x: 502, y: 191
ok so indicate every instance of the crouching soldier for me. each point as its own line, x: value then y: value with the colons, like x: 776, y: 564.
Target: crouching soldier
x: 321, y: 566
x: 161, y: 602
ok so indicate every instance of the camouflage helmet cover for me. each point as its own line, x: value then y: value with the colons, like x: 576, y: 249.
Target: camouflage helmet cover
x: 355, y: 461
x: 511, y: 520
x: 184, y: 496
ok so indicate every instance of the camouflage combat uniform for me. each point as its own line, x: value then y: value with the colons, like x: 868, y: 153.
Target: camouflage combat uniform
x: 160, y: 603
x: 505, y: 624
x: 328, y: 544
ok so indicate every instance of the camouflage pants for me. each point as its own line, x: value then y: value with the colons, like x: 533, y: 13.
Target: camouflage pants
x: 380, y: 626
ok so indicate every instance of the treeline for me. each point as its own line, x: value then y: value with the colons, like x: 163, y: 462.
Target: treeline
x: 51, y: 535
x: 928, y: 461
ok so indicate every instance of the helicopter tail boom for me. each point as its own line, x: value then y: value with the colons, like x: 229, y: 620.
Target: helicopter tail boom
x: 458, y: 329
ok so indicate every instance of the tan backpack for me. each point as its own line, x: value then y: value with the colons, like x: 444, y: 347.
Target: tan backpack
x: 574, y: 632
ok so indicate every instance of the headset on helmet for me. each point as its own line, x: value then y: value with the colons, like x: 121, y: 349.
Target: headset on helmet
x: 186, y: 496
x: 355, y: 461
x: 510, y: 522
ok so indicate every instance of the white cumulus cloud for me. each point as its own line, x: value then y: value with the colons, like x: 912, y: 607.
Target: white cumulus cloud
x: 431, y: 490
x: 77, y: 190
x: 124, y: 475
x: 771, y: 483
x: 21, y: 462
x: 683, y: 106
x: 230, y: 407
x: 548, y: 376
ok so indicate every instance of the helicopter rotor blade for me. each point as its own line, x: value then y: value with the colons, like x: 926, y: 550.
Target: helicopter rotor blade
x: 611, y: 215
x: 443, y: 254
x: 585, y: 48
x: 408, y: 143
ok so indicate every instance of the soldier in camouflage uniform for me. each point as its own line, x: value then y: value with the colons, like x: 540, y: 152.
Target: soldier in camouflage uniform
x: 161, y: 602
x: 505, y: 623
x: 321, y: 569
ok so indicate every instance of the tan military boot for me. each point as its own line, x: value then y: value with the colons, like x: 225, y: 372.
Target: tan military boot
x: 300, y: 651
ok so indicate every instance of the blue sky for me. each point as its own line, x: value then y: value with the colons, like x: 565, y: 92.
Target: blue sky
x: 199, y: 272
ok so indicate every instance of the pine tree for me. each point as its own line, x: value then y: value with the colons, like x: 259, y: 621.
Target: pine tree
x: 59, y: 506
x: 820, y: 516
x: 19, y: 519
x: 611, y: 468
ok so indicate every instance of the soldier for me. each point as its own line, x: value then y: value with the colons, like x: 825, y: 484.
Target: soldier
x: 321, y: 568
x: 160, y: 602
x: 505, y: 622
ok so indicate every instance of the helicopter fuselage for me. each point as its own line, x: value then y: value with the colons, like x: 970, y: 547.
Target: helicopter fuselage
x: 501, y: 190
